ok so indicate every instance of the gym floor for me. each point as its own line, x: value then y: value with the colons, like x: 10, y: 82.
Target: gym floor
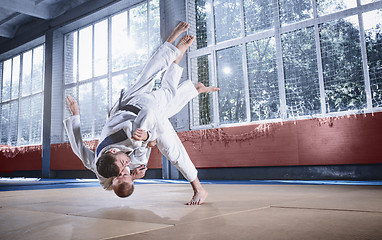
x: 80, y: 209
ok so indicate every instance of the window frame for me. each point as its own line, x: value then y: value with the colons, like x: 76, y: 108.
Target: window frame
x: 110, y: 74
x: 19, y: 52
x: 277, y: 32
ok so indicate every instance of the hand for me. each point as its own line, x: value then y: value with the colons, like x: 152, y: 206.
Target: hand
x: 139, y: 172
x: 72, y: 105
x: 140, y: 135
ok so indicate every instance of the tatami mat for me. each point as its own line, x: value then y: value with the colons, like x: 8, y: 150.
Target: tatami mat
x: 232, y: 211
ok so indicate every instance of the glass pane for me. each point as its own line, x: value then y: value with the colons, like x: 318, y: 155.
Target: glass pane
x: 25, y: 116
x: 15, y: 77
x: 38, y: 69
x: 101, y: 106
x: 202, y: 105
x: 342, y: 65
x: 300, y: 73
x: 330, y: 6
x: 72, y: 92
x: 70, y: 56
x: 262, y: 77
x: 203, y: 12
x: 118, y: 83
x: 227, y: 19
x: 100, y: 48
x: 120, y: 46
x: 373, y: 37
x: 26, y: 87
x: 14, y: 116
x: 154, y: 26
x: 295, y: 11
x: 138, y: 34
x: 4, y: 123
x: 85, y: 53
x: 258, y: 15
x: 86, y: 109
x: 7, y: 76
x: 230, y: 81
x: 36, y: 117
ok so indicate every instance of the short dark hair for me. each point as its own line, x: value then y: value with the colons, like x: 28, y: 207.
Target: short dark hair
x: 106, y: 166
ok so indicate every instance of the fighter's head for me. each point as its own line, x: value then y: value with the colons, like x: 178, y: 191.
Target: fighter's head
x: 112, y: 162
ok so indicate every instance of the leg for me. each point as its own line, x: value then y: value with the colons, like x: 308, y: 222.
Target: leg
x: 172, y: 148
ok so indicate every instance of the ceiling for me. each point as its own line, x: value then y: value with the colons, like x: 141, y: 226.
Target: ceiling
x: 14, y: 14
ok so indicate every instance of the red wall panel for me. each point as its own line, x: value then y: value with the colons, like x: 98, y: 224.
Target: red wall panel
x: 355, y: 139
x: 26, y: 158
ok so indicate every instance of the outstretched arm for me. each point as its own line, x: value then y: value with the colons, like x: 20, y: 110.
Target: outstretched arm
x: 72, y: 127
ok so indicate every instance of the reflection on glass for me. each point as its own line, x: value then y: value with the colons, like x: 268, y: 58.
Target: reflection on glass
x: 342, y: 65
x: 101, y: 106
x: 154, y: 26
x: 85, y: 53
x: 7, y: 77
x: 227, y: 19
x: 300, y: 73
x: 331, y: 6
x: 373, y: 37
x: 295, y: 11
x: 13, y: 122
x: 86, y: 106
x: 201, y: 72
x: 15, y: 77
x: 258, y: 15
x: 71, y: 41
x: 26, y: 86
x: 100, y: 48
x: 203, y: 10
x: 25, y: 115
x: 262, y: 77
x: 119, y: 43
x: 231, y: 84
x: 138, y: 38
x: 36, y: 118
x: 38, y: 68
x: 4, y: 124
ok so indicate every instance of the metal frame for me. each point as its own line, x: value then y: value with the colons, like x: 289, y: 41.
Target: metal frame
x: 276, y: 32
x: 110, y: 73
x: 19, y: 98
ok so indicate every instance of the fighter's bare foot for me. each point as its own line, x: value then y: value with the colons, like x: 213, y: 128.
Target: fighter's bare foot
x: 198, y: 198
x: 182, y: 27
x: 185, y: 43
x: 203, y: 89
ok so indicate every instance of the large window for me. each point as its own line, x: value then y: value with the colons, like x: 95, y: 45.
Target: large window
x: 102, y: 58
x: 284, y: 60
x: 21, y: 104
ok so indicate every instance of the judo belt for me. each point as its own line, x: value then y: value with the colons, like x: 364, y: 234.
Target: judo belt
x: 120, y: 135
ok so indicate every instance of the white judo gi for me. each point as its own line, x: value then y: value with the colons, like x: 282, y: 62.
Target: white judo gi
x: 167, y: 101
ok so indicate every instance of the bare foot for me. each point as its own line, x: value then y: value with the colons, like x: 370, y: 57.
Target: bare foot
x: 198, y: 198
x: 183, y: 44
x: 182, y: 27
x: 203, y: 89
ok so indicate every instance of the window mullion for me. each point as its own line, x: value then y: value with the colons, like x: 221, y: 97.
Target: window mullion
x: 93, y: 105
x: 215, y: 97
x: 245, y: 67
x: 319, y: 59
x: 109, y: 63
x: 364, y: 59
x: 279, y: 60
